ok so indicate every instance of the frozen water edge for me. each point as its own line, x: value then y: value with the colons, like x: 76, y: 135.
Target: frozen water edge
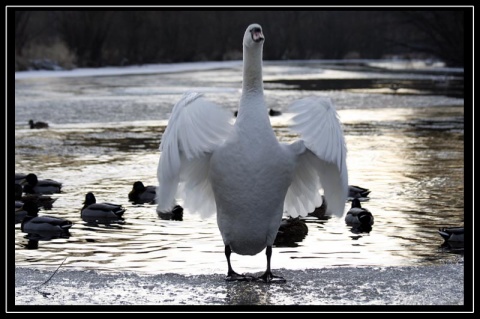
x: 412, y: 285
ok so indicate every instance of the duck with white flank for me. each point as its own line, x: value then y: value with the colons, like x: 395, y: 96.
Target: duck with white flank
x: 32, y: 185
x: 20, y: 178
x: 100, y: 212
x: 141, y: 194
x: 46, y: 226
x: 175, y: 214
x: 359, y: 217
x: 452, y: 234
x: 41, y: 200
x: 242, y: 172
x: 37, y: 125
x: 290, y: 232
x: 358, y: 192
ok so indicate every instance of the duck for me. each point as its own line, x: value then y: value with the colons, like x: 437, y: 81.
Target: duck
x: 18, y: 204
x: 20, y: 178
x: 43, y: 225
x: 34, y: 238
x: 141, y: 194
x: 46, y: 202
x: 241, y: 171
x: 320, y: 211
x: 32, y: 185
x: 100, y: 212
x: 290, y: 232
x: 452, y: 234
x: 357, y: 215
x: 271, y: 112
x: 32, y: 242
x: 394, y: 86
x: 20, y: 213
x: 18, y: 191
x: 37, y: 125
x: 175, y: 214
x: 358, y: 192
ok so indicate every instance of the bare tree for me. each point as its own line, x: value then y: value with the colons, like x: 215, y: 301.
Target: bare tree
x: 98, y: 38
x: 85, y: 33
x: 28, y: 28
x: 21, y: 34
x: 440, y: 33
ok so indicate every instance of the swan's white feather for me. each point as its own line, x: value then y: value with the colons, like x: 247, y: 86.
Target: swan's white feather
x: 195, y: 188
x: 196, y: 128
x: 303, y: 195
x: 323, y: 164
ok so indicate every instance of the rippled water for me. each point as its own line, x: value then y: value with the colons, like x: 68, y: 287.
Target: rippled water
x: 406, y: 147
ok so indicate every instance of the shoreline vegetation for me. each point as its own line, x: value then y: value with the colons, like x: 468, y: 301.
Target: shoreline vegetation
x: 65, y: 40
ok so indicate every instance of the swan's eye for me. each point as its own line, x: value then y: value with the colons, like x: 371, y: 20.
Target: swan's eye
x: 256, y: 30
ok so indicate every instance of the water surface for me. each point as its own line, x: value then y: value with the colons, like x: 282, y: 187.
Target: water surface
x: 406, y: 145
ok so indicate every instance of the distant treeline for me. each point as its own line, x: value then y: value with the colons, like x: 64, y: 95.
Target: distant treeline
x: 99, y: 38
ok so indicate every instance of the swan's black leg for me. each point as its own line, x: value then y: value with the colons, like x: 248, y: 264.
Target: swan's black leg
x: 232, y: 275
x: 268, y: 276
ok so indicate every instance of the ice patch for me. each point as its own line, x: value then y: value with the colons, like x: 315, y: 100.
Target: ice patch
x: 421, y: 285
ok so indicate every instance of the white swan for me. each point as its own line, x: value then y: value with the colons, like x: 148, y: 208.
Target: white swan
x: 242, y: 172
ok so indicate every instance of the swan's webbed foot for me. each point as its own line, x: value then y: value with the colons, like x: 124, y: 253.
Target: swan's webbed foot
x: 268, y: 277
x: 233, y: 276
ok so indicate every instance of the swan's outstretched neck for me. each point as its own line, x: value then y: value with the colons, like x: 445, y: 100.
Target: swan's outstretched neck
x: 252, y: 107
x: 252, y: 70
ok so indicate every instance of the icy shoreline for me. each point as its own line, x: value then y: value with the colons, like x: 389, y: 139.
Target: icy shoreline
x: 412, y: 285
x: 210, y: 65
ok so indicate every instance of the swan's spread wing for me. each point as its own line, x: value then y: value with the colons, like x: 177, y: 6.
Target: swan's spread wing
x: 303, y: 195
x: 322, y: 160
x: 195, y: 129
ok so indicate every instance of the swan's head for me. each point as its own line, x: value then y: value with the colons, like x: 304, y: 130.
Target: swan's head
x: 253, y: 35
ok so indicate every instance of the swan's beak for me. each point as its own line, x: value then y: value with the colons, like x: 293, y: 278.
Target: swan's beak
x: 257, y: 35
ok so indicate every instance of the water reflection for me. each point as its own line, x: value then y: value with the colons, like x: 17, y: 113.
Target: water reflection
x: 104, y: 222
x: 33, y: 239
x: 47, y: 235
x: 360, y: 228
x: 32, y: 244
